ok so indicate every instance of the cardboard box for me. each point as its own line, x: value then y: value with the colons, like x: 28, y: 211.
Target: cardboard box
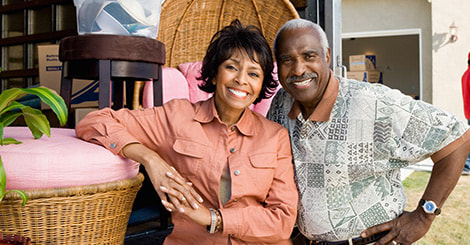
x: 363, y: 62
x: 84, y: 92
x: 80, y: 113
x: 366, y: 76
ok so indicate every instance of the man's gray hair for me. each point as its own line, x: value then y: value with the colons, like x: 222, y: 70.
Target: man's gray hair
x: 300, y: 24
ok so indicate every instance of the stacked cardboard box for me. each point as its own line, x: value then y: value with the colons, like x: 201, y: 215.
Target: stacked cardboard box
x: 362, y: 68
x: 84, y: 92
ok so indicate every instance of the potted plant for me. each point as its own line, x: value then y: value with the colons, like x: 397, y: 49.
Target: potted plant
x: 10, y: 110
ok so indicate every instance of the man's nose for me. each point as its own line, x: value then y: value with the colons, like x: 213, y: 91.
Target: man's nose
x: 299, y: 68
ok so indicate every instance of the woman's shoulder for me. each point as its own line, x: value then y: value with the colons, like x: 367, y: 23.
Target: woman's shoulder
x: 265, y: 124
x: 179, y: 106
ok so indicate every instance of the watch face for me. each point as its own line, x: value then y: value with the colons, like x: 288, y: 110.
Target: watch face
x: 429, y: 206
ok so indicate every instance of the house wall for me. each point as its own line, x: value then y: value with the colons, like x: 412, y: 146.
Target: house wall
x: 443, y: 62
x: 391, y: 15
x: 449, y: 59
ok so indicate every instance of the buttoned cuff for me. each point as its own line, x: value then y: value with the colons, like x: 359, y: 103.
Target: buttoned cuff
x: 231, y: 221
x: 115, y: 142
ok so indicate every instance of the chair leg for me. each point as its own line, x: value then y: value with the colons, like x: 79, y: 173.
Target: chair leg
x: 66, y: 94
x: 105, y: 78
x: 158, y: 89
x: 118, y: 94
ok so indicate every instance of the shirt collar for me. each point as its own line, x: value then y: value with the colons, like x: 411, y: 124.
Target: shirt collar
x: 206, y: 112
x: 323, y: 110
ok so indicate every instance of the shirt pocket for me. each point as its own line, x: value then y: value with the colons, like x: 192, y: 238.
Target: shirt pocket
x: 262, y: 170
x: 189, y: 157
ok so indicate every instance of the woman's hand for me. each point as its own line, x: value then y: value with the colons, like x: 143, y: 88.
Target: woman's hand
x: 200, y: 215
x: 163, y: 176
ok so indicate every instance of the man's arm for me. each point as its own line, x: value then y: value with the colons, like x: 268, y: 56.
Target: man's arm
x: 411, y: 226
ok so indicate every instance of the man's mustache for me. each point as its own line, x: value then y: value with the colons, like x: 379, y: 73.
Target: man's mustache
x: 303, y: 77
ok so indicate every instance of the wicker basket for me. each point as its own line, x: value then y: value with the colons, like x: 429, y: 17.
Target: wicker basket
x: 186, y: 26
x: 92, y: 214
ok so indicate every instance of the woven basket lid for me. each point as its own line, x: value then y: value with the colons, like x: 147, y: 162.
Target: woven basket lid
x: 186, y: 26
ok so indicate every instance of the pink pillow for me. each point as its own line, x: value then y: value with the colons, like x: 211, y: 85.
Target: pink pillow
x: 62, y: 160
x: 192, y: 70
x: 263, y: 106
x: 174, y: 86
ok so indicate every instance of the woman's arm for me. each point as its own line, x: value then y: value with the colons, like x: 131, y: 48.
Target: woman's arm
x: 128, y: 133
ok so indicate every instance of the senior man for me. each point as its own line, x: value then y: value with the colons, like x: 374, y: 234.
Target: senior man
x: 349, y: 140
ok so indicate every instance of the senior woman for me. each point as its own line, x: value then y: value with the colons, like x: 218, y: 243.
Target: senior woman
x: 223, y: 171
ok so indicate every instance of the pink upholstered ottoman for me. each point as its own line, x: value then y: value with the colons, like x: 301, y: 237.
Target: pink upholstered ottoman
x: 62, y: 160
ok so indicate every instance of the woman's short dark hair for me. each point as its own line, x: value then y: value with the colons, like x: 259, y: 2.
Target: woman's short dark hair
x: 238, y: 37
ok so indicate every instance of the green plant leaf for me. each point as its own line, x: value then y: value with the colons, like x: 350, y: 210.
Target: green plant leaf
x: 3, y: 180
x: 22, y: 195
x: 36, y: 122
x: 9, y: 95
x: 8, y: 118
x: 51, y: 98
x: 12, y: 106
x: 8, y: 141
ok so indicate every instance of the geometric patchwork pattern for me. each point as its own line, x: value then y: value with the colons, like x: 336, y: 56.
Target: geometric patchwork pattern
x: 348, y: 168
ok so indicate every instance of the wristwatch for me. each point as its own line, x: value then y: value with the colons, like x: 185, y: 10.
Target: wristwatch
x: 429, y: 207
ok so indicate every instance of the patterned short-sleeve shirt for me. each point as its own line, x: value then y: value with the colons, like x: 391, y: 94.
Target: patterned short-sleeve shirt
x: 348, y: 168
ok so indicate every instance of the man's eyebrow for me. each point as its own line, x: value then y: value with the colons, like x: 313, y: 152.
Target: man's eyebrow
x: 310, y: 51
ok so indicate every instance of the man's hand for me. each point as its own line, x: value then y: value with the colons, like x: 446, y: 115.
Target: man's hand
x: 406, y: 229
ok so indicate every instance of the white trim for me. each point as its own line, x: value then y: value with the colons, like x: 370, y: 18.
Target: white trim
x: 388, y: 33
x: 383, y: 33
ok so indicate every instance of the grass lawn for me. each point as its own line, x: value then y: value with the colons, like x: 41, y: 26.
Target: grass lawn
x: 452, y: 226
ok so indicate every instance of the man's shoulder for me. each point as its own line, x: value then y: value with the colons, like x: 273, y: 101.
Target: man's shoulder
x: 280, y: 106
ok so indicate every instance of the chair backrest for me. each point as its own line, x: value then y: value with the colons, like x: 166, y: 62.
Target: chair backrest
x: 186, y: 26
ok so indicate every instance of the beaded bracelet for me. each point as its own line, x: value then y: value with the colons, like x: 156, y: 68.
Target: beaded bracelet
x: 219, y: 225
x: 212, y: 228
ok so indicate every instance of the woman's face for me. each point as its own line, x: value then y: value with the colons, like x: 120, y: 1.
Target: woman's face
x: 238, y: 83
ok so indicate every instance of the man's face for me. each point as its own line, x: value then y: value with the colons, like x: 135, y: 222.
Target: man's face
x: 303, y: 67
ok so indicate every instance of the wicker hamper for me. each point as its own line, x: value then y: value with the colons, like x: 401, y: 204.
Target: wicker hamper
x: 92, y: 214
x: 187, y: 26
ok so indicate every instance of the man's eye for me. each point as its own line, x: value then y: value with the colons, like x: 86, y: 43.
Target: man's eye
x: 287, y: 61
x: 310, y: 57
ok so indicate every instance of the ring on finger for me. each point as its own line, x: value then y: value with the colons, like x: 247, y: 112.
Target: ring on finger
x: 394, y: 243
x: 183, y: 199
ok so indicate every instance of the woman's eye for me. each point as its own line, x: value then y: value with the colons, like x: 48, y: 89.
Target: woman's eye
x: 254, y: 74
x: 231, y: 67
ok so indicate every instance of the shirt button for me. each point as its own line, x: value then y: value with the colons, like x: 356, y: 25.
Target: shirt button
x: 232, y: 150
x: 233, y: 128
x: 236, y: 172
x: 113, y: 145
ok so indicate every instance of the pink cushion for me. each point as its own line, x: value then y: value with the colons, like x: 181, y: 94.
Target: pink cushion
x: 174, y: 87
x: 191, y: 71
x: 60, y: 161
x: 263, y: 106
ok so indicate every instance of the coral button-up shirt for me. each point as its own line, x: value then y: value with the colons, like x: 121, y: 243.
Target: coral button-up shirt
x: 262, y: 207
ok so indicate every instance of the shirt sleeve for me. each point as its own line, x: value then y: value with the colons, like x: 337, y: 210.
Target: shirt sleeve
x: 274, y: 220
x: 419, y: 129
x: 116, y: 129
